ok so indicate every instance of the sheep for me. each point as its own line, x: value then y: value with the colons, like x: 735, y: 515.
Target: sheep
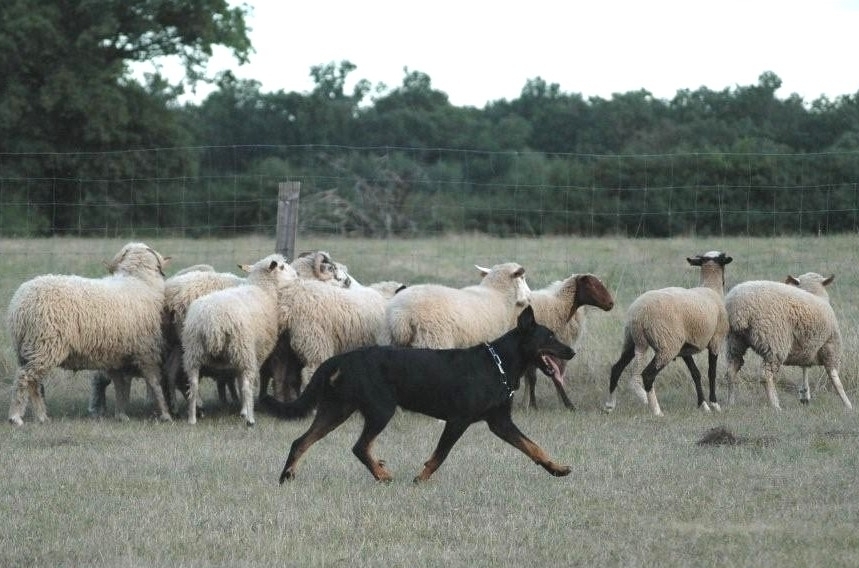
x: 557, y: 307
x: 320, y: 321
x: 790, y: 323
x: 675, y: 322
x: 441, y: 317
x: 235, y: 329
x: 111, y: 323
x: 194, y: 282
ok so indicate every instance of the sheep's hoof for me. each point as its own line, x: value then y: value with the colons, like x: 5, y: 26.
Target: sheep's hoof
x: 704, y: 407
x: 804, y: 400
x: 192, y: 421
x: 16, y: 421
x: 250, y: 424
x: 715, y: 406
x: 608, y: 408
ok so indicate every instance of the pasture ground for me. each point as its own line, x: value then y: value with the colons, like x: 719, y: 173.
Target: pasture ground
x: 79, y: 491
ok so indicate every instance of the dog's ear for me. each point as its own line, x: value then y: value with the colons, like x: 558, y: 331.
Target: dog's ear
x: 526, y: 319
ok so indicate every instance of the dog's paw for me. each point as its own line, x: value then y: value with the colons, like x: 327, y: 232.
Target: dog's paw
x: 561, y: 470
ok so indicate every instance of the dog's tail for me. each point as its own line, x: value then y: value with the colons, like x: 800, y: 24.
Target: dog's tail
x: 302, y: 406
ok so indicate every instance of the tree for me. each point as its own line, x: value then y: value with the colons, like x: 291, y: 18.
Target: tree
x: 67, y: 85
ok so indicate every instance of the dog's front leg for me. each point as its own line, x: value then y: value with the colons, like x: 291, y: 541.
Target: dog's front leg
x: 501, y: 424
x: 453, y: 431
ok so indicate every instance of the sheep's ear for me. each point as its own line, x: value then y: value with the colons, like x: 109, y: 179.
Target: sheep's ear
x: 526, y: 318
x: 303, y: 254
x: 792, y: 280
x: 694, y: 260
x: 244, y: 267
x: 519, y: 273
x: 272, y: 265
x: 165, y: 260
x: 400, y: 289
x: 828, y: 281
x: 723, y: 260
x: 483, y: 271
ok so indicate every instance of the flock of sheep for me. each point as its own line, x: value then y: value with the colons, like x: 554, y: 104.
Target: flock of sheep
x: 276, y: 324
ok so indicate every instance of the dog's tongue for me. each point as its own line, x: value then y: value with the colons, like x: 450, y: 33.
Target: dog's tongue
x: 557, y: 366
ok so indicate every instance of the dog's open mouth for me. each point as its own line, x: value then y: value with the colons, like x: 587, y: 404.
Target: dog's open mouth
x: 553, y: 367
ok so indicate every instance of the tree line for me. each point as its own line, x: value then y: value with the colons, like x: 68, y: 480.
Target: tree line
x: 86, y: 148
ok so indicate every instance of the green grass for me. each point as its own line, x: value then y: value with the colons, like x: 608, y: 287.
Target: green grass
x: 78, y: 491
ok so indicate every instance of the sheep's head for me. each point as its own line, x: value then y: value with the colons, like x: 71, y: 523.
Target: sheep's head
x: 508, y: 276
x: 136, y: 258
x: 811, y: 282
x: 590, y: 291
x: 273, y: 267
x: 318, y: 265
x: 714, y: 256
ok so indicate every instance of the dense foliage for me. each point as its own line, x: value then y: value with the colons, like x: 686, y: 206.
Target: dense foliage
x: 84, y: 148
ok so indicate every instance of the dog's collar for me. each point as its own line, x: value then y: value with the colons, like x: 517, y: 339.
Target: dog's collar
x: 497, y: 359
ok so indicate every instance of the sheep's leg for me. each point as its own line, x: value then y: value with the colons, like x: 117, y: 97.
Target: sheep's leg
x: 193, y: 393
x: 735, y: 350
x: 636, y: 381
x: 248, y: 385
x: 648, y: 376
x: 172, y: 372
x: 805, y: 389
x: 562, y: 394
x: 712, y: 365
x: 328, y: 417
x: 696, y: 380
x: 373, y: 425
x: 122, y: 390
x: 152, y: 375
x: 453, y: 431
x: 616, y: 370
x: 770, y: 370
x: 28, y: 381
x: 98, y: 395
x: 836, y: 382
x: 501, y: 424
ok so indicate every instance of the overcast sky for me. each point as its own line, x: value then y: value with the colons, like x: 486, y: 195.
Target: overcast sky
x: 478, y: 51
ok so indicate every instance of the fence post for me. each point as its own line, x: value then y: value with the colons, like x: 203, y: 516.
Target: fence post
x: 287, y: 218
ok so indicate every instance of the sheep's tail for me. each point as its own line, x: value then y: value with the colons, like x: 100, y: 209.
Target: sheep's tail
x: 306, y: 402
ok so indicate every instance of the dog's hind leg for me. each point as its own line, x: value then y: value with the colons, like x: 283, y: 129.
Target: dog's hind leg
x: 452, y: 432
x: 328, y: 417
x: 373, y: 425
x: 501, y: 424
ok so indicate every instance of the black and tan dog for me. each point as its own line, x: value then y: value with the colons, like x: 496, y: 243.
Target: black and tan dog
x: 459, y: 386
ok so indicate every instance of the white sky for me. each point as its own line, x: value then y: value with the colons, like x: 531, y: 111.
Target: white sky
x: 478, y: 51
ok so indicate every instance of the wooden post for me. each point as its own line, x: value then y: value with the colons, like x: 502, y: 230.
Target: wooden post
x: 287, y: 218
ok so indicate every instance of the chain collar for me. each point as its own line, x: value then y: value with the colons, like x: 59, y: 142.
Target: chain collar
x: 497, y: 359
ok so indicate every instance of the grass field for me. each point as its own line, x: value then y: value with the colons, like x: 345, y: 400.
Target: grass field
x: 89, y: 492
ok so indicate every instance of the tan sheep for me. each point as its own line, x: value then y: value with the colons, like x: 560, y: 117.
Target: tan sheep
x: 558, y: 306
x: 790, y: 323
x: 320, y: 321
x: 441, y: 317
x: 111, y: 324
x: 675, y: 322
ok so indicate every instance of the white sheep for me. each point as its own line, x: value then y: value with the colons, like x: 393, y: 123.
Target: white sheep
x: 558, y: 306
x: 111, y: 324
x: 194, y: 282
x: 235, y: 329
x: 320, y: 321
x: 441, y: 317
x: 675, y: 322
x: 789, y: 323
